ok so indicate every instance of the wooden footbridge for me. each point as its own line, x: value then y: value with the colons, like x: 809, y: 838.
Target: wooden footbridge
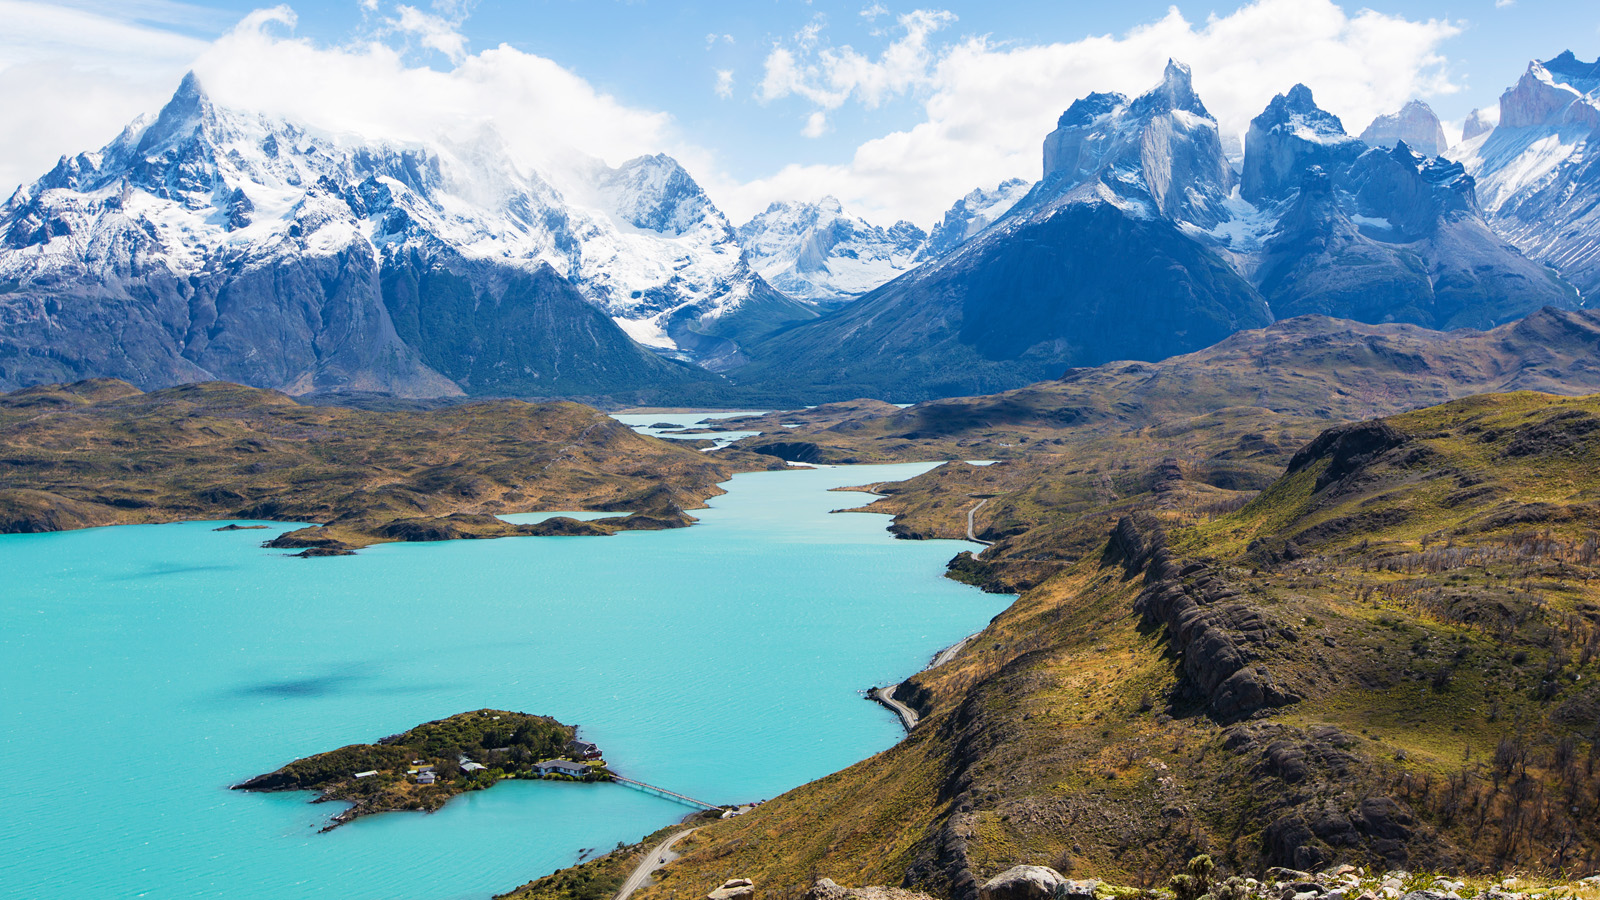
x: 663, y: 792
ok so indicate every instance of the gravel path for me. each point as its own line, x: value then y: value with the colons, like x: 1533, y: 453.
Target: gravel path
x: 656, y: 859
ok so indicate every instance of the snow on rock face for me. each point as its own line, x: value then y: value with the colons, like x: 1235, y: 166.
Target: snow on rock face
x: 1160, y: 150
x: 1478, y: 123
x: 1538, y: 171
x: 820, y: 253
x: 654, y: 193
x: 203, y: 193
x: 971, y: 215
x: 1289, y: 136
x: 1415, y: 124
x: 1562, y: 96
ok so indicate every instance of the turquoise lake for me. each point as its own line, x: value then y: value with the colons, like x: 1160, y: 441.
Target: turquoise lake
x: 146, y: 668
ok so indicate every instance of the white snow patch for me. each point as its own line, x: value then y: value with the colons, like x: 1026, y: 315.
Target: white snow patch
x: 645, y: 331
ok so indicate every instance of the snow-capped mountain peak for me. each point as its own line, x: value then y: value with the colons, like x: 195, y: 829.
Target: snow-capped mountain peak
x: 1291, y: 135
x: 1477, y: 123
x: 201, y: 189
x: 1546, y: 97
x: 818, y: 252
x: 1175, y: 93
x: 1538, y: 170
x: 971, y: 215
x: 1159, y: 153
x: 655, y: 193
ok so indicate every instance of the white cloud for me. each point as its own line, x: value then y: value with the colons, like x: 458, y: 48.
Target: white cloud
x: 431, y: 31
x: 73, y: 76
x: 987, y: 106
x: 1502, y: 4
x: 547, y: 116
x: 831, y: 76
x: 874, y: 11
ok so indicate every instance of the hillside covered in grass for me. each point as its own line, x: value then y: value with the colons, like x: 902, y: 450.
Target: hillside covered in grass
x: 104, y: 453
x: 1390, y: 658
x: 1199, y: 434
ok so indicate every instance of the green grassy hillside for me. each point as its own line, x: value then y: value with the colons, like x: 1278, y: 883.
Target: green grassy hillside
x: 1390, y: 658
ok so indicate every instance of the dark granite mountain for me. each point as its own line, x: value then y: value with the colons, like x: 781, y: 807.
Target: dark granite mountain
x: 1141, y: 243
x: 1096, y: 263
x: 1375, y: 234
x: 1416, y: 124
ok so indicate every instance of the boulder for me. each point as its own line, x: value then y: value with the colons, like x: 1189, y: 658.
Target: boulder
x: 1024, y: 883
x: 1078, y: 890
x: 734, y: 889
x: 827, y: 889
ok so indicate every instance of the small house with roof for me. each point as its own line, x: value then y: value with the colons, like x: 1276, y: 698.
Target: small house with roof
x: 584, y: 750
x: 426, y: 778
x: 561, y: 767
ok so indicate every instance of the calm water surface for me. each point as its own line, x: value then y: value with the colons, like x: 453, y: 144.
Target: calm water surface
x: 143, y: 669
x: 644, y: 422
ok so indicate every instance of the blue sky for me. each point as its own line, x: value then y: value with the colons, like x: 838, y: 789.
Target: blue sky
x: 868, y: 91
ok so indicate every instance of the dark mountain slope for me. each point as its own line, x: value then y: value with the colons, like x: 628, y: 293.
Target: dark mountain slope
x: 501, y: 331
x: 1378, y: 235
x: 1015, y: 309
x: 1140, y: 243
x: 1095, y: 264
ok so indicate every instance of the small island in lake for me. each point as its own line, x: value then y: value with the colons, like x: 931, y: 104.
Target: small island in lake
x: 423, y: 768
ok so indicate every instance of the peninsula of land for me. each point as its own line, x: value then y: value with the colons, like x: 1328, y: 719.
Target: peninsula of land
x: 423, y: 768
x: 102, y: 452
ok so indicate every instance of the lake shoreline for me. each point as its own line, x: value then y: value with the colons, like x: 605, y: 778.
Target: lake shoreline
x: 260, y: 662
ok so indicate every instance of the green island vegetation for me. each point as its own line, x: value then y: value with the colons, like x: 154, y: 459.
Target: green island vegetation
x: 1324, y: 595
x: 423, y: 768
x: 102, y: 452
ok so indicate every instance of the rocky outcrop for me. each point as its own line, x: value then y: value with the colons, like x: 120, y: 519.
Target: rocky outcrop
x: 1316, y: 800
x: 1218, y: 635
x: 1024, y: 883
x: 827, y: 889
x: 734, y: 889
x: 1290, y: 137
x: 1347, y: 449
x: 1415, y: 124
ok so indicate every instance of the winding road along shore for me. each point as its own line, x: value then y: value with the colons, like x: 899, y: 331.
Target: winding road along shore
x: 655, y: 860
x: 971, y: 535
x: 885, y: 695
